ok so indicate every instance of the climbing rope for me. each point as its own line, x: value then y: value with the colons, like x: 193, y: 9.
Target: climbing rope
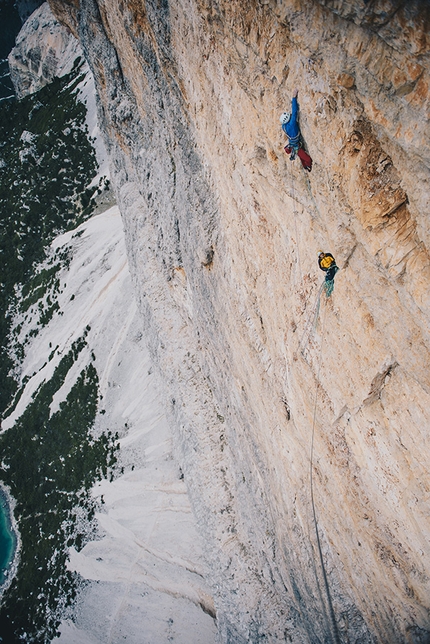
x: 309, y: 187
x: 295, y: 215
x: 309, y: 329
x: 334, y: 627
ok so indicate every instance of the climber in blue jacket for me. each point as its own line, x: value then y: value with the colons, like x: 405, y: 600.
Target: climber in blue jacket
x: 291, y: 128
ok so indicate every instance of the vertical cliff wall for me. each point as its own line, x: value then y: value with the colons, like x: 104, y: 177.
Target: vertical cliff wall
x: 222, y: 234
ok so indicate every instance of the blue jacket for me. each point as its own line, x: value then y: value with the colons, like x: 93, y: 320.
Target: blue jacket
x: 291, y: 128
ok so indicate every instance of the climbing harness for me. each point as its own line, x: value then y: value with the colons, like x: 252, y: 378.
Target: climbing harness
x: 334, y: 627
x: 293, y: 146
x: 294, y: 142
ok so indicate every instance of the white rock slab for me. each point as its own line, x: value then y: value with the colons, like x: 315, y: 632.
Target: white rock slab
x: 146, y: 574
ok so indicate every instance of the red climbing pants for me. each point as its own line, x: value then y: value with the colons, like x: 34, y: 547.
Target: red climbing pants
x: 305, y: 159
x: 303, y: 156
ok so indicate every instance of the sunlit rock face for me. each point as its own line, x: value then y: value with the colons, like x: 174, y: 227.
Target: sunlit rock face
x: 222, y: 234
x: 44, y: 49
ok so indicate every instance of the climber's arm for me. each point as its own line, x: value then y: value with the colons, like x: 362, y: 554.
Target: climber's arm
x: 294, y: 108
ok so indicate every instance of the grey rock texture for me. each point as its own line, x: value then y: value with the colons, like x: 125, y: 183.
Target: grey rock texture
x: 222, y: 236
x: 44, y: 49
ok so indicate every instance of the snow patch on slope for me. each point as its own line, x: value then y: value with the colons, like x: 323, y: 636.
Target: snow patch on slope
x: 147, y: 569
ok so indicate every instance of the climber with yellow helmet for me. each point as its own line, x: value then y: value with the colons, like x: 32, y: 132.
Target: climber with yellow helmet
x: 327, y: 263
x: 291, y: 128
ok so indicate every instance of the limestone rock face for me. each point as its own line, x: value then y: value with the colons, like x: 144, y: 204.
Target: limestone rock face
x: 44, y: 49
x: 288, y: 415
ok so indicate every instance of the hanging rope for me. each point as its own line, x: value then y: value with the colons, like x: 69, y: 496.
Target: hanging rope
x: 295, y: 215
x: 309, y: 187
x: 334, y: 628
x: 309, y: 329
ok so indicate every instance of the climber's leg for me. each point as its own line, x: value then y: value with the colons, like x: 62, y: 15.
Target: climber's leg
x: 328, y: 286
x: 329, y: 280
x: 305, y: 159
x: 331, y: 273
